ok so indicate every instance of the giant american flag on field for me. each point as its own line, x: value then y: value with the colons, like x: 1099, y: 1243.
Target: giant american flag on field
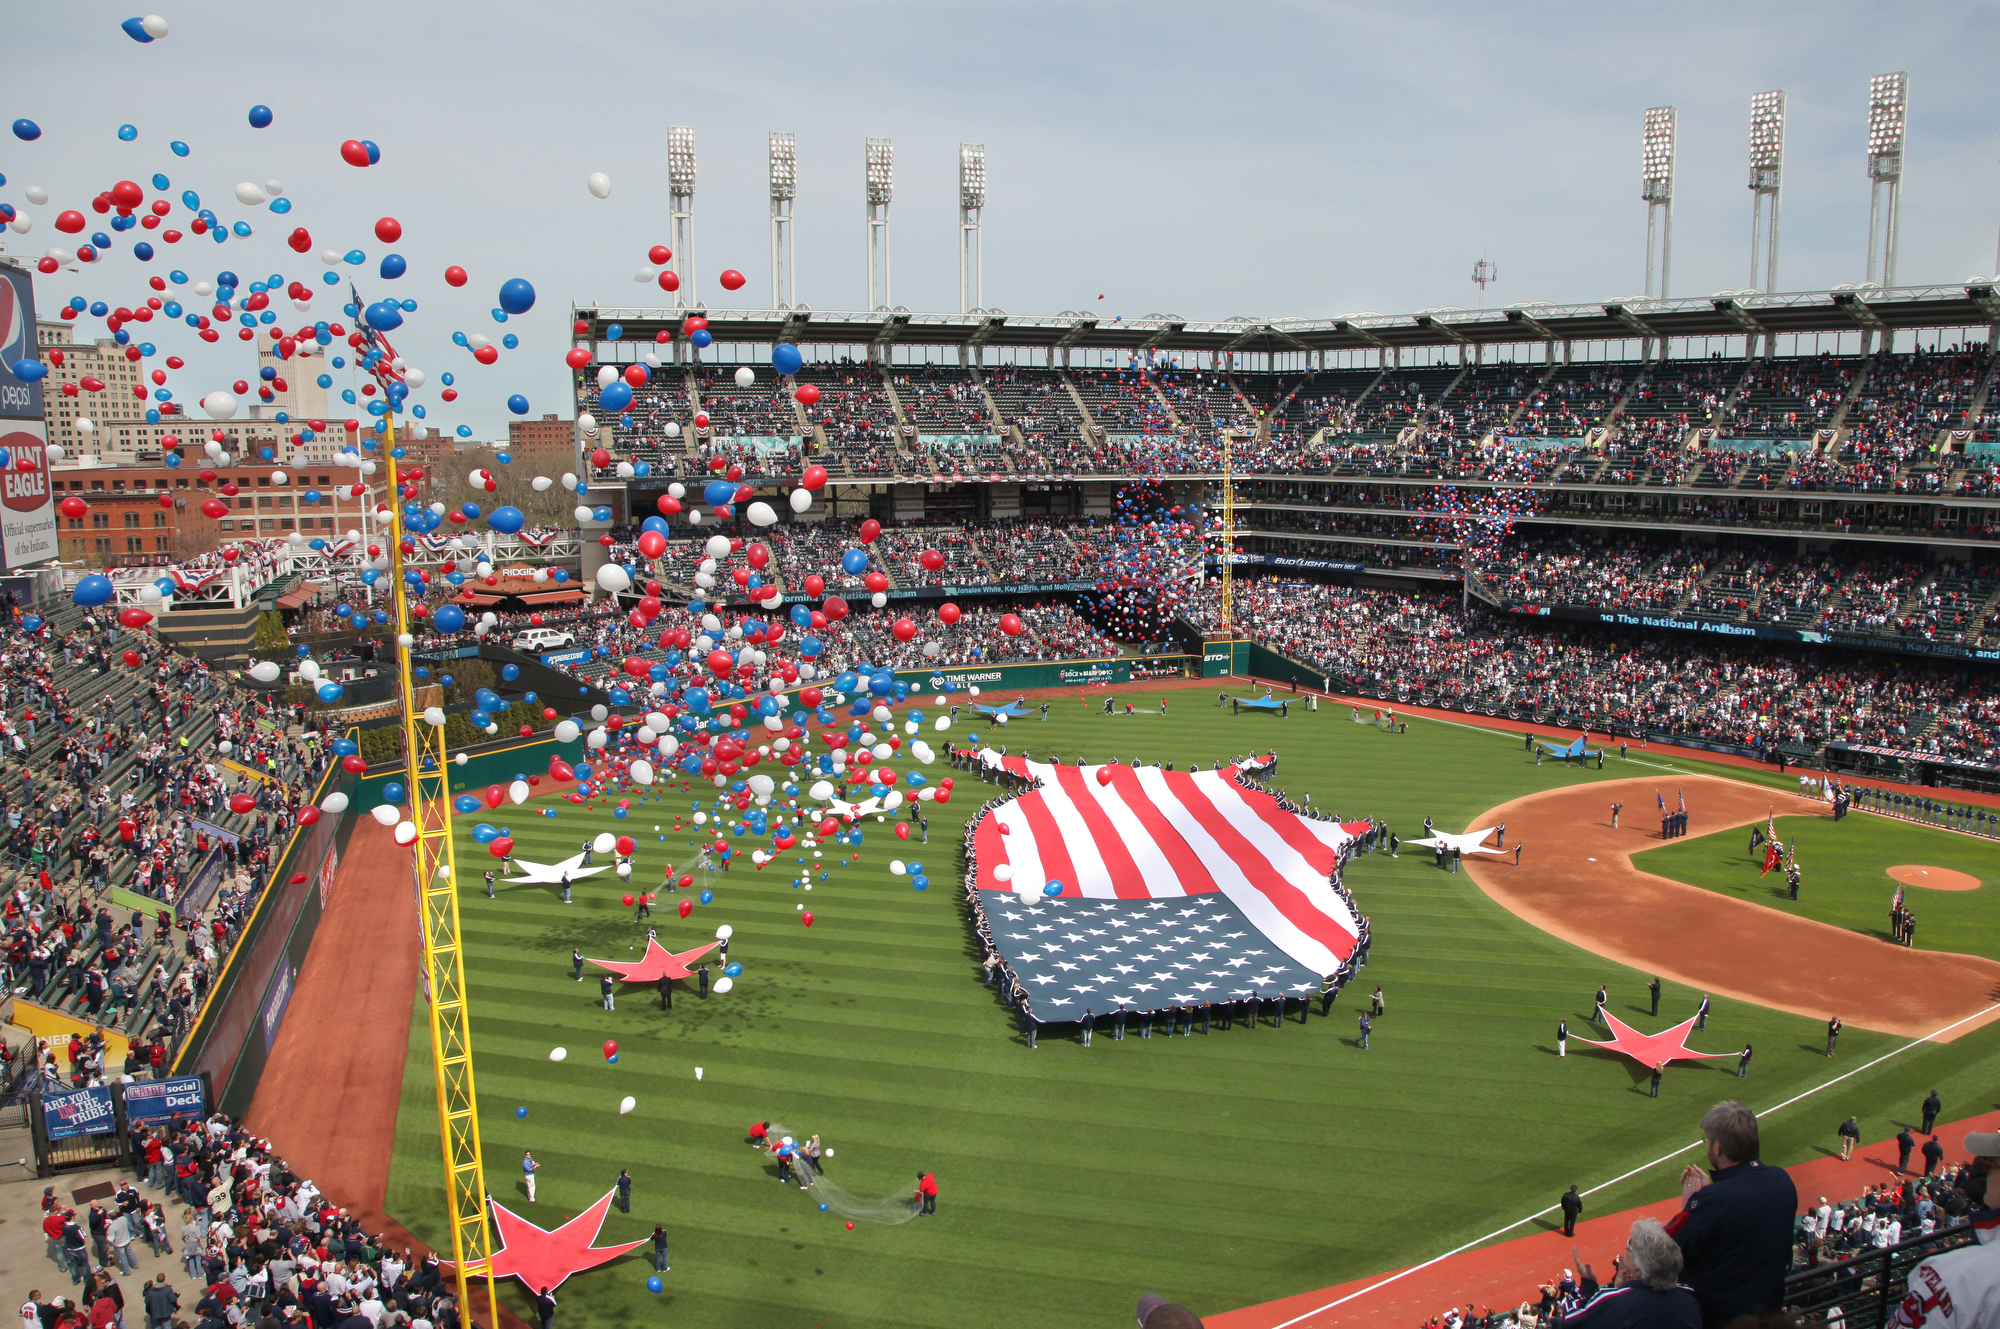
x: 1177, y: 887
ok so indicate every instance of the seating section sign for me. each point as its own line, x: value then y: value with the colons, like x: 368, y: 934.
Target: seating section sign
x: 79, y: 1112
x: 177, y: 1099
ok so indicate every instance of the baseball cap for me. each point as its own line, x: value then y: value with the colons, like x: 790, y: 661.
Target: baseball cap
x: 1983, y: 1144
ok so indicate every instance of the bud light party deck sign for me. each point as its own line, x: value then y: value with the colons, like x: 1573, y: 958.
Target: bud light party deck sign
x: 178, y: 1099
x: 27, y: 515
x: 79, y: 1112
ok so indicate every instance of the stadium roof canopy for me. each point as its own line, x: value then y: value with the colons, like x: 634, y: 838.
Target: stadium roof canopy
x: 1866, y: 309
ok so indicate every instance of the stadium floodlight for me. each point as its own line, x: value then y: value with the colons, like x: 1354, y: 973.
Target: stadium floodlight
x: 971, y: 244
x: 1888, y: 114
x: 879, y: 181
x: 784, y: 189
x: 680, y: 189
x: 1656, y: 188
x: 1767, y: 172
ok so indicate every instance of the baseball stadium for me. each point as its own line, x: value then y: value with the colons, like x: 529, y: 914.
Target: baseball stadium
x: 1534, y: 771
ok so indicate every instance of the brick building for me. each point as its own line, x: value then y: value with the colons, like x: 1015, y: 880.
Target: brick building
x: 128, y: 525
x: 547, y: 444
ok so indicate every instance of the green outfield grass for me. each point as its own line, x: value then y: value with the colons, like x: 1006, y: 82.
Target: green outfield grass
x: 1843, y: 876
x: 1220, y: 1170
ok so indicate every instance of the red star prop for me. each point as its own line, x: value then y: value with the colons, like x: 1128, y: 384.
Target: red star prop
x: 542, y: 1259
x: 659, y: 963
x: 1651, y: 1050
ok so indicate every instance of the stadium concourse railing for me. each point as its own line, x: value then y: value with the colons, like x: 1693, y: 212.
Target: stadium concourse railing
x: 232, y: 1035
x: 1866, y: 1288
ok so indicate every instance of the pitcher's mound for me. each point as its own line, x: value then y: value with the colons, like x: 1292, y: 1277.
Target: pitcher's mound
x: 1936, y: 879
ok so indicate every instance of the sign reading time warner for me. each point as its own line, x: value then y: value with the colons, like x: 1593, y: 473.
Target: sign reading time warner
x: 27, y: 513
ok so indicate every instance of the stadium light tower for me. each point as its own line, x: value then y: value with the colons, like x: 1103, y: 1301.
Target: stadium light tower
x: 784, y: 189
x: 879, y: 178
x: 1767, y: 171
x: 1888, y: 106
x: 971, y: 244
x: 680, y: 188
x: 1483, y: 274
x: 1656, y: 187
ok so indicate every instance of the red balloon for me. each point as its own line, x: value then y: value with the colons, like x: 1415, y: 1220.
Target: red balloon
x: 628, y: 900
x: 577, y: 358
x: 876, y: 582
x: 1011, y: 624
x: 903, y: 629
x: 354, y: 764
x: 300, y: 240
x: 626, y: 844
x: 132, y: 658
x: 308, y: 815
x: 669, y: 281
x: 806, y: 918
x: 134, y: 617
x: 815, y: 476
x: 454, y: 275
x: 834, y: 608
x: 652, y: 544
x: 354, y: 153
x: 658, y: 254
x: 687, y: 906
x: 815, y: 586
x: 902, y: 830
x: 501, y: 847
x: 486, y: 355
x: 73, y: 507
x: 686, y: 880
x: 870, y: 531
x: 807, y: 395
x: 931, y: 559
x: 214, y: 507
x: 949, y: 613
x: 731, y: 279
x: 70, y: 223
x: 610, y: 1047
x: 1104, y: 775
x: 495, y: 796
x: 388, y: 230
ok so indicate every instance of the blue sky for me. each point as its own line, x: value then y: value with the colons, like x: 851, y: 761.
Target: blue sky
x: 1208, y: 161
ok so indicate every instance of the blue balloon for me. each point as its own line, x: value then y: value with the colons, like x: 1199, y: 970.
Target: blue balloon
x: 718, y: 492
x: 383, y: 316
x: 180, y: 148
x: 93, y: 590
x: 393, y: 266
x: 785, y: 358
x: 484, y: 832
x: 518, y: 404
x: 702, y: 337
x: 523, y: 1112
x: 465, y: 803
x: 393, y: 792
x: 126, y: 133
x: 30, y: 371
x: 653, y: 1283
x: 27, y: 130
x: 135, y: 28
x: 510, y: 672
x: 854, y: 562
x: 260, y: 117
x: 1053, y: 888
x: 507, y: 520
x: 331, y: 692
x: 617, y: 396
x: 31, y: 622
x: 707, y: 897
x: 734, y: 969
x: 517, y: 296
x: 449, y: 618
x: 921, y: 883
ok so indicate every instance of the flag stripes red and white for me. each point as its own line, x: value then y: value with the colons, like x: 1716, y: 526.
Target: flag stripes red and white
x: 1155, y: 834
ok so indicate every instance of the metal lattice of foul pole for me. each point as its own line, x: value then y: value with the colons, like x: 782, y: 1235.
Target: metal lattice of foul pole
x: 444, y: 962
x: 1228, y: 537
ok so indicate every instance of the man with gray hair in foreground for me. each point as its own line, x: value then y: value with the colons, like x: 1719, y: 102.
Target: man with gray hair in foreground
x: 1735, y: 1224
x: 1649, y: 1294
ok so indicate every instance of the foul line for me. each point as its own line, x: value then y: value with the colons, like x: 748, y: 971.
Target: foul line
x: 1643, y: 1167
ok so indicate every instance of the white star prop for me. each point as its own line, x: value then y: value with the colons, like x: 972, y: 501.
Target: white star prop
x: 1466, y: 843
x: 551, y: 874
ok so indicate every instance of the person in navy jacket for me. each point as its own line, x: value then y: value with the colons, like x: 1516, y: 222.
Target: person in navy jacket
x: 1735, y: 1224
x: 1648, y: 1294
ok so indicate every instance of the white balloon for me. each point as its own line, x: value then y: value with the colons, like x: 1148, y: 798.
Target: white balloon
x: 308, y: 670
x: 760, y: 514
x: 583, y: 512
x: 386, y: 813
x: 406, y: 832
x: 541, y: 484
x: 22, y: 224
x: 625, y: 868
x: 896, y: 868
x: 642, y: 772
x: 250, y: 196
x: 894, y: 800
x: 459, y: 759
x: 154, y: 26
x: 599, y: 185
x: 558, y: 1054
x: 280, y: 478
x: 334, y: 803
x: 596, y: 739
x: 613, y: 578
x: 668, y: 745
x: 587, y: 422
x: 943, y: 723
x: 606, y: 376
x: 761, y: 785
x: 1003, y: 873
x: 821, y: 791
x: 413, y: 377
x: 569, y: 480
x: 644, y: 274
x: 801, y: 499
x: 701, y: 819
x: 37, y: 195
x: 517, y: 792
x: 745, y: 376
x: 922, y: 751
x: 697, y: 1072
x: 225, y: 747
x: 879, y: 599
x: 717, y: 546
x: 85, y: 426
x: 604, y: 843
x: 273, y: 188
x: 264, y: 671
x: 677, y: 489
x: 724, y: 983
x: 725, y: 932
x: 219, y: 405
x: 672, y: 430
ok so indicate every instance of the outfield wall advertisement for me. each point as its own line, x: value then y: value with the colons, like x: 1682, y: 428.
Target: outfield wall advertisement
x: 27, y: 512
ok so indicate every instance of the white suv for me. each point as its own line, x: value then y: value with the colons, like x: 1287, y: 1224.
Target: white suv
x: 543, y: 639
